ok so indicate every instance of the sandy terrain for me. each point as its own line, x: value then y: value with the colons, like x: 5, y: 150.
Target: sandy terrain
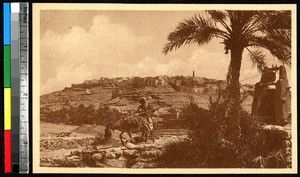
x: 65, y: 145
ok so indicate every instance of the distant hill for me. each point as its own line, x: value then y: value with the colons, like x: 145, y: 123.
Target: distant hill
x: 124, y: 93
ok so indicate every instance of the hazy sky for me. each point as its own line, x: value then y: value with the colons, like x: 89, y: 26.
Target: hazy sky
x: 80, y: 45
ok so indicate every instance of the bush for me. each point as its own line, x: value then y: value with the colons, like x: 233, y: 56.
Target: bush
x: 208, y: 146
x: 82, y: 115
x: 183, y: 154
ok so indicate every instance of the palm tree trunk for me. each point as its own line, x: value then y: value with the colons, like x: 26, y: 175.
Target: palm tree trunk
x: 233, y: 125
x: 235, y: 67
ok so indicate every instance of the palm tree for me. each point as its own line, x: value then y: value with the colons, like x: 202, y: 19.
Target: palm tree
x: 254, y: 31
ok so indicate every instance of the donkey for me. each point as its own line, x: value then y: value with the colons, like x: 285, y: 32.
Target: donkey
x: 131, y: 125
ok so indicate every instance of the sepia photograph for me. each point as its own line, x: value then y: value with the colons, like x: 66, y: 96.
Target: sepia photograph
x: 142, y: 88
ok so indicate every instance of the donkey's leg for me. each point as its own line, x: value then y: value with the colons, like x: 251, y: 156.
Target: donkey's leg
x: 142, y: 136
x: 121, y: 138
x: 146, y: 135
x: 130, y: 136
x: 151, y: 135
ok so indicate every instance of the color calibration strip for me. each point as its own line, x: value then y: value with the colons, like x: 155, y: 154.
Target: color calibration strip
x: 24, y: 90
x: 7, y: 88
x: 16, y: 85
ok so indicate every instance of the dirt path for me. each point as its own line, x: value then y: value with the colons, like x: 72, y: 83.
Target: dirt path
x: 79, y: 151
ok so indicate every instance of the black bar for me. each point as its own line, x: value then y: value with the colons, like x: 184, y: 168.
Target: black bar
x: 15, y: 168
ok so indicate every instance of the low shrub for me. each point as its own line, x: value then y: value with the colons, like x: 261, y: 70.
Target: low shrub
x: 208, y: 146
x: 183, y: 154
x: 82, y: 115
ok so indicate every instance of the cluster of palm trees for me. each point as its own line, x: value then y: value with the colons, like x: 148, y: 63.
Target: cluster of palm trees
x: 251, y: 31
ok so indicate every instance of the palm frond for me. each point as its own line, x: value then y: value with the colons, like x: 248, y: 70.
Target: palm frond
x: 217, y: 14
x: 281, y: 35
x: 277, y: 26
x: 272, y: 31
x: 276, y: 19
x: 252, y: 24
x: 248, y: 18
x: 258, y: 59
x: 197, y: 30
x: 221, y: 17
x: 281, y: 51
x: 260, y: 161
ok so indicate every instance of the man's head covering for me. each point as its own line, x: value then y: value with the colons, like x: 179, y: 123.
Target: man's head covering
x: 143, y: 100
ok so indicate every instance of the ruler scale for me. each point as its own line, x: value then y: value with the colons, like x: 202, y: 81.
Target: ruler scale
x: 24, y: 91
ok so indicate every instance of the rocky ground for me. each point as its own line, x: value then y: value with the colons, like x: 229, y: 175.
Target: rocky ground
x: 82, y: 146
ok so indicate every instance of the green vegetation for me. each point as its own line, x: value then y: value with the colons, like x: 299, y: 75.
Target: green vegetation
x: 82, y: 115
x: 208, y: 147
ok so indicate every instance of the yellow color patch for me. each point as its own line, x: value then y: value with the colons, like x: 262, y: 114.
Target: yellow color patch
x: 7, y: 108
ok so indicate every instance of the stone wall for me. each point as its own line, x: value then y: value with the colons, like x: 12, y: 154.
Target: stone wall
x: 272, y: 99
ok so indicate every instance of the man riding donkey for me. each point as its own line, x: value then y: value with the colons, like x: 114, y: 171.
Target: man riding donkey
x: 146, y: 110
x: 140, y: 122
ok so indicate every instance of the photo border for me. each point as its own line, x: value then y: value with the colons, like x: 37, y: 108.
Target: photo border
x: 36, y: 7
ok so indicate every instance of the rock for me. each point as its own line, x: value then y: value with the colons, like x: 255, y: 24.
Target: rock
x: 110, y: 155
x: 182, y: 137
x: 123, y: 148
x: 151, y: 153
x: 131, y: 153
x: 118, y: 155
x: 140, y: 146
x: 118, y: 149
x: 75, y: 157
x: 122, y: 158
x: 143, y: 163
x: 117, y: 152
x: 119, y: 163
x: 150, y: 145
x: 98, y: 157
x: 43, y: 159
x: 64, y: 162
x: 159, y: 141
x: 64, y: 134
x: 130, y: 146
x: 99, y: 164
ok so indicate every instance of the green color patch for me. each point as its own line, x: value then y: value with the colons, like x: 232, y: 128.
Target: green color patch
x: 7, y: 67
